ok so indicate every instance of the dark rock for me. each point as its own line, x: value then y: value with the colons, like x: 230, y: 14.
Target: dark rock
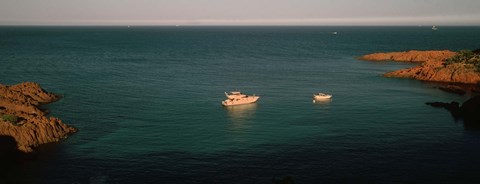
x: 453, y: 89
x: 469, y: 111
x: 453, y: 107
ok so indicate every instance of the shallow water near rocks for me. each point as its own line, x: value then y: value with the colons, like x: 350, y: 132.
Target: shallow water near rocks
x: 146, y: 101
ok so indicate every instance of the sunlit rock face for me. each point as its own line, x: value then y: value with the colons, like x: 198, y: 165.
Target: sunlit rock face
x: 23, y: 120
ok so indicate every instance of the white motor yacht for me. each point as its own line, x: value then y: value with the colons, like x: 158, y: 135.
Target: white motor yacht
x: 321, y: 97
x: 237, y: 98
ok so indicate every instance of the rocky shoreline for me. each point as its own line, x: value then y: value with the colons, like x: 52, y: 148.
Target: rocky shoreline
x: 23, y: 120
x: 433, y: 66
x: 414, y: 56
x: 454, y: 72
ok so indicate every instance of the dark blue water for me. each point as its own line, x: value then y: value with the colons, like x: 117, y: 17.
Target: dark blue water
x: 146, y: 101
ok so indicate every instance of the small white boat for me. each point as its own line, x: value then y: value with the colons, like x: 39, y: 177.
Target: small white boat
x: 334, y: 33
x: 237, y: 98
x: 321, y: 97
x: 434, y: 28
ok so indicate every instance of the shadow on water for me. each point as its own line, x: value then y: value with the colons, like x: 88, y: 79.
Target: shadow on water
x: 8, y: 149
x: 9, y: 157
x: 339, y: 166
x: 285, y: 180
x: 19, y: 167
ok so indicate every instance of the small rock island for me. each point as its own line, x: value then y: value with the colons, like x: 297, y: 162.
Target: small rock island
x: 23, y: 120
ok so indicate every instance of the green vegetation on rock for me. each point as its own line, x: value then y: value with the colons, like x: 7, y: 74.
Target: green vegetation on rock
x: 10, y: 118
x: 466, y: 57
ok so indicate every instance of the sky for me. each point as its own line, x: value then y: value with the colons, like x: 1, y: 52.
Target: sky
x: 239, y: 12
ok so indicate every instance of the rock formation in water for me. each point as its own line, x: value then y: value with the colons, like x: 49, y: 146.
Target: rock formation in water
x: 438, y: 66
x: 460, y: 89
x: 469, y: 111
x: 22, y: 119
x: 436, y: 71
x: 410, y: 56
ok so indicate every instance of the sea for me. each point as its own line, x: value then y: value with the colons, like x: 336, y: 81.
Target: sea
x: 147, y: 103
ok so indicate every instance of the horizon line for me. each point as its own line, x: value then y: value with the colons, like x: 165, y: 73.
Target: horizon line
x: 344, y: 21
x: 250, y: 25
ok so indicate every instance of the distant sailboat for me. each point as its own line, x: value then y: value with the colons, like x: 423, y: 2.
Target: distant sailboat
x: 434, y: 28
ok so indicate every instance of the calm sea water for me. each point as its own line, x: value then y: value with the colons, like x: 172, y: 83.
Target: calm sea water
x: 146, y: 101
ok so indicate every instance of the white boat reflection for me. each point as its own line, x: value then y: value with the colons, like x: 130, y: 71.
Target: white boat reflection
x: 241, y: 112
x: 322, y: 101
x: 240, y: 117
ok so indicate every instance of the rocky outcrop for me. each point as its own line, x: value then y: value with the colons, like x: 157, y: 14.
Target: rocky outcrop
x: 22, y: 119
x: 460, y: 89
x: 469, y: 111
x: 433, y: 67
x: 410, y: 56
x: 436, y: 71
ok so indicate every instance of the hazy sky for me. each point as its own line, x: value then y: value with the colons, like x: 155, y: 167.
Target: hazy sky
x: 240, y: 12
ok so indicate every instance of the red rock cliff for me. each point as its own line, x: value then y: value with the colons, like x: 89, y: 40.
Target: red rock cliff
x: 432, y: 67
x: 21, y: 118
x: 410, y: 56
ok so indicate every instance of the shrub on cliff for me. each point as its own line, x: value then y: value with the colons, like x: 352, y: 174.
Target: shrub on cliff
x: 10, y: 118
x: 466, y: 57
x: 462, y: 57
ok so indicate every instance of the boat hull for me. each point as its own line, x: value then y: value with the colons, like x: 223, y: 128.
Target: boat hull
x: 322, y: 97
x: 242, y: 101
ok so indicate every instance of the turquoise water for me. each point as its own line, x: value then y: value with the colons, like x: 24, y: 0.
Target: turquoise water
x: 146, y: 101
